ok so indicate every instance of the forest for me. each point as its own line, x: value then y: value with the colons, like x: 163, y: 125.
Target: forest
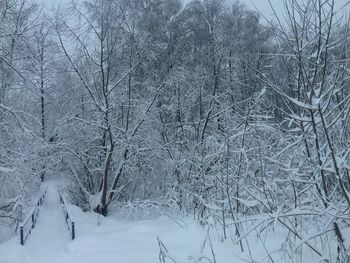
x: 208, y: 111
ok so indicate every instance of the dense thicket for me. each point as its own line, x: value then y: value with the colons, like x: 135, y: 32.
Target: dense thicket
x: 200, y: 108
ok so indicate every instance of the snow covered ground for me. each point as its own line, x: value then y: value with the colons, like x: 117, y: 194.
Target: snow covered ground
x: 107, y: 240
x: 99, y: 239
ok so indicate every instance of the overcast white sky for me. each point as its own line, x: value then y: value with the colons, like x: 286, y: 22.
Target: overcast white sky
x: 261, y: 5
x: 264, y: 7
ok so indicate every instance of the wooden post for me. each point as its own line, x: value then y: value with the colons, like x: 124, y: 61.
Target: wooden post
x: 73, y: 230
x: 22, y: 236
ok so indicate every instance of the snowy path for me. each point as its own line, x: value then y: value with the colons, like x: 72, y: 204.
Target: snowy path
x: 50, y: 237
x: 48, y: 240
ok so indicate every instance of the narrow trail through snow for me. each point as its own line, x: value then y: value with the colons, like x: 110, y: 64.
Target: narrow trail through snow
x: 50, y: 237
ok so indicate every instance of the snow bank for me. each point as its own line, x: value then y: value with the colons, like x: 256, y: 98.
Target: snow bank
x: 100, y: 239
